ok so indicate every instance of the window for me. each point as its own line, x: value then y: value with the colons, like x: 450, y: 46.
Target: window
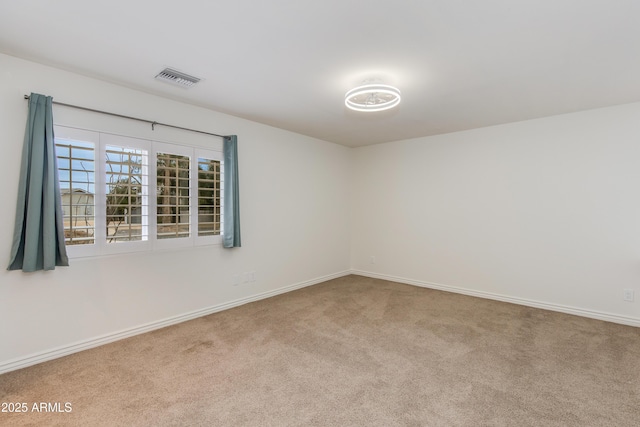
x: 173, y: 200
x: 110, y: 204
x: 76, y: 173
x: 209, y: 197
x: 126, y: 176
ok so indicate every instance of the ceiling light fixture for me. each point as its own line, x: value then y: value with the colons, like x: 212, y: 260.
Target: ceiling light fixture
x: 372, y: 97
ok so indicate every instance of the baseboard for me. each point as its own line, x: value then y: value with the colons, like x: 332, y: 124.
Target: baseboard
x: 44, y: 356
x: 631, y: 321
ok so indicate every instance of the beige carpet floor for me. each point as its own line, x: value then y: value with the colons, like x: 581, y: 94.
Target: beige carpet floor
x: 353, y: 351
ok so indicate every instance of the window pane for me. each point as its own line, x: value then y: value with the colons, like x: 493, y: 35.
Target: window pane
x: 76, y: 166
x: 127, y: 194
x: 173, y: 201
x: 208, y: 197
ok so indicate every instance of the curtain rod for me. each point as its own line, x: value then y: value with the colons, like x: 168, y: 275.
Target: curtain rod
x: 153, y: 123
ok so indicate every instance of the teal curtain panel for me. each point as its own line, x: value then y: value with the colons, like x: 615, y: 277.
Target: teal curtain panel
x: 38, y: 239
x: 231, y: 229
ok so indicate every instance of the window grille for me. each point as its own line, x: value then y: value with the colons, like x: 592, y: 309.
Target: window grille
x: 126, y: 194
x: 209, y: 200
x: 173, y: 200
x: 76, y: 174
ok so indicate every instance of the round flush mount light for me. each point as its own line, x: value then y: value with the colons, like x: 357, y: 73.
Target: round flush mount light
x: 372, y: 97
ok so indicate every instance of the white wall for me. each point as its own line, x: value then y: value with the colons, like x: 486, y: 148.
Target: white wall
x: 544, y: 212
x: 294, y: 209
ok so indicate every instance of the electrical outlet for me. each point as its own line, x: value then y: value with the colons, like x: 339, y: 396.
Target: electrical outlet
x: 252, y: 276
x: 372, y: 260
x: 628, y: 295
x: 236, y: 279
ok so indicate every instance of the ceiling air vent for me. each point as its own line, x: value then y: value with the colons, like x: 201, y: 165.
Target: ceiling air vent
x: 177, y: 78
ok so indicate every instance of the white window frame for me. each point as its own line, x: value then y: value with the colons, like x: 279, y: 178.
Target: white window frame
x: 103, y: 139
x: 210, y: 155
x: 80, y: 135
x: 101, y: 195
x: 179, y: 242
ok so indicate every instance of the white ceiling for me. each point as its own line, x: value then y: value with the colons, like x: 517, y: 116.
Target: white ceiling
x: 460, y: 64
